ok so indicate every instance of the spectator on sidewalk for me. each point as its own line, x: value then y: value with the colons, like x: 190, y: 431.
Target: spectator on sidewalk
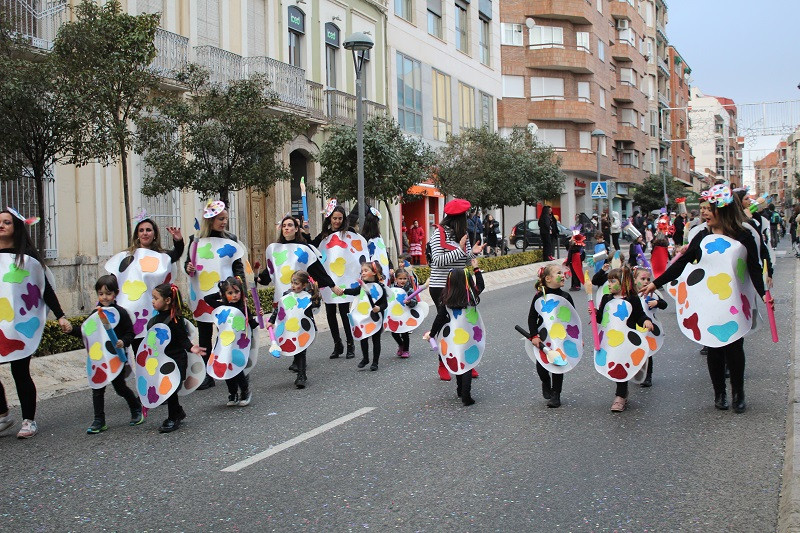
x: 416, y: 242
x: 474, y: 227
x: 546, y: 233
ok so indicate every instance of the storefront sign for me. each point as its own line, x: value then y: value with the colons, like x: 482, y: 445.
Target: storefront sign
x: 331, y: 35
x: 297, y: 20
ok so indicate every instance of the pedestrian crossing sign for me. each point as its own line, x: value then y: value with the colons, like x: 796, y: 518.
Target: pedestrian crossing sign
x: 599, y: 189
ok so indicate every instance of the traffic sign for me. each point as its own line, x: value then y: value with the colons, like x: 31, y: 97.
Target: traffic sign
x: 599, y: 189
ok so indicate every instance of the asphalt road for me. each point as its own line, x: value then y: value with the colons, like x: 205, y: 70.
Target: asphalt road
x: 420, y: 461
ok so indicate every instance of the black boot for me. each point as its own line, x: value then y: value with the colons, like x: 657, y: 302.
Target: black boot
x: 351, y: 350
x: 738, y: 402
x: 364, y: 361
x: 721, y: 401
x: 546, y: 392
x: 555, y: 400
x: 300, y: 382
x: 338, y: 349
x: 374, y: 365
x: 207, y: 383
x: 293, y: 367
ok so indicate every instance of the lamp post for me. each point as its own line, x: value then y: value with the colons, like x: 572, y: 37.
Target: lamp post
x: 664, y: 162
x: 600, y: 134
x: 359, y: 43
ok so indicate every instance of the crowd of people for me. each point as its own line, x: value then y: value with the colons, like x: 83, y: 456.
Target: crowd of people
x: 346, y: 268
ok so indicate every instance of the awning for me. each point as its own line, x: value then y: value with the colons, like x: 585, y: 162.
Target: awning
x: 425, y: 190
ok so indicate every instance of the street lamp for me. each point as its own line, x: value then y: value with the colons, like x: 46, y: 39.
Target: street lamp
x: 359, y: 43
x: 664, y: 162
x: 600, y: 134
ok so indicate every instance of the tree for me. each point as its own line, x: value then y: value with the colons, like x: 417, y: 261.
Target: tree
x: 650, y: 194
x: 393, y: 163
x: 106, y: 54
x: 37, y: 119
x: 218, y: 140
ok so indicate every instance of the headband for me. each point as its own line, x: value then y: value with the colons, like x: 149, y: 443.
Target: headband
x: 375, y: 212
x: 28, y: 221
x: 332, y: 203
x: 141, y: 216
x: 213, y: 208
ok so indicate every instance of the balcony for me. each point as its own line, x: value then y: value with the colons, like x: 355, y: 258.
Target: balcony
x: 624, y: 52
x: 576, y: 110
x: 627, y: 93
x: 172, y: 54
x: 374, y: 109
x: 223, y: 66
x: 287, y: 81
x: 663, y: 67
x: 559, y: 57
x: 575, y: 11
x: 341, y: 107
x: 315, y: 100
x: 663, y: 101
x: 630, y: 173
x: 662, y: 31
x: 37, y: 21
x: 628, y: 132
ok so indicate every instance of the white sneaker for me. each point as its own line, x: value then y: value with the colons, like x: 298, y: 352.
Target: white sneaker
x: 233, y: 400
x: 6, y: 421
x: 245, y: 399
x: 28, y: 430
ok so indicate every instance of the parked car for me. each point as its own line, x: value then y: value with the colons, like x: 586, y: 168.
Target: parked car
x: 533, y: 237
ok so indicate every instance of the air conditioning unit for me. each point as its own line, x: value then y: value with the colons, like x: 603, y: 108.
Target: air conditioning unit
x: 623, y: 24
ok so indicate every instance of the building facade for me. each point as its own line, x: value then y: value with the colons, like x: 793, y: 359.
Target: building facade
x: 713, y: 136
x: 680, y: 152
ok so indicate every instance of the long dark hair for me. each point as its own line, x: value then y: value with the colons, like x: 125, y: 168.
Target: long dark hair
x: 170, y: 290
x: 327, y: 229
x: 156, y: 246
x: 23, y: 244
x: 457, y: 224
x: 371, y: 228
x: 298, y: 236
x: 460, y: 291
x: 730, y: 218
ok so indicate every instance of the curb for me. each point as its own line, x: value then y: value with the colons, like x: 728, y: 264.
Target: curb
x: 789, y: 503
x: 63, y: 373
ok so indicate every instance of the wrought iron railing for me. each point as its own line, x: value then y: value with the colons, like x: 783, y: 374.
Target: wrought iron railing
x: 374, y: 109
x: 315, y: 100
x: 286, y: 80
x: 172, y: 53
x: 20, y: 193
x: 223, y: 66
x: 37, y: 21
x: 341, y: 107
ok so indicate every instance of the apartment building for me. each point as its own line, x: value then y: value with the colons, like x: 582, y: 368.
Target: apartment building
x: 297, y: 45
x: 571, y: 67
x: 680, y: 152
x: 774, y: 173
x: 793, y: 164
x: 713, y: 136
x: 443, y: 59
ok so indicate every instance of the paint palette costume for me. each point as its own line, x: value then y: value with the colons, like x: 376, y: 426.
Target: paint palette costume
x: 377, y: 252
x: 138, y: 274
x: 283, y: 260
x: 294, y: 331
x: 157, y: 374
x: 22, y: 310
x: 563, y: 339
x: 363, y: 321
x: 462, y: 341
x: 103, y: 363
x: 230, y: 353
x: 342, y: 257
x: 658, y: 329
x: 715, y: 310
x: 623, y: 351
x: 215, y: 258
x: 401, y: 318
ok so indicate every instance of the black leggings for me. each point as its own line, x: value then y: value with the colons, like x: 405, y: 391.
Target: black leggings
x: 622, y: 389
x: 333, y: 324
x: 26, y: 389
x: 121, y: 388
x: 205, y: 331
x: 239, y: 382
x: 733, y: 356
x: 376, y: 347
x: 174, y: 409
x: 615, y: 241
x: 402, y: 340
x: 464, y: 384
x: 554, y: 381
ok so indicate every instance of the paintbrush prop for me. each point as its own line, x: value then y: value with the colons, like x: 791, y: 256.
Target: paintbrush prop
x: 773, y: 326
x: 256, y: 299
x: 592, y: 314
x: 274, y: 349
x: 111, y: 334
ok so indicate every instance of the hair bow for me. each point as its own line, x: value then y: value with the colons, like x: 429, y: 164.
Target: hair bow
x: 28, y: 221
x: 718, y: 195
x: 140, y: 216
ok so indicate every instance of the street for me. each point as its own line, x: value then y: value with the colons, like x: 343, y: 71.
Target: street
x: 419, y: 460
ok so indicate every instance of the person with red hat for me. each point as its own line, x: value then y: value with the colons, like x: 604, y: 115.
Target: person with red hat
x: 449, y: 249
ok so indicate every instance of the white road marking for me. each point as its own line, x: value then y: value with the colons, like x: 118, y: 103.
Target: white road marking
x: 297, y: 440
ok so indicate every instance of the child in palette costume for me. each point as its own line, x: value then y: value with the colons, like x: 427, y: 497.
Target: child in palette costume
x: 161, y: 361
x: 404, y: 314
x: 294, y: 320
x: 367, y: 312
x: 557, y: 343
x: 641, y: 278
x: 625, y: 334
x: 715, y: 283
x: 228, y: 358
x: 463, y: 335
x: 106, y: 355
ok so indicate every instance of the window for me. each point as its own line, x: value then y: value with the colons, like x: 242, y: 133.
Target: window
x: 602, y: 97
x: 511, y: 34
x: 208, y: 22
x: 651, y: 87
x: 513, y: 87
x: 599, y: 6
x: 402, y: 8
x: 297, y: 27
x: 461, y: 27
x: 484, y: 41
x: 257, y: 28
x: 630, y: 158
x: 650, y: 51
x: 585, y: 140
x: 627, y: 76
x: 487, y: 111
x: 582, y: 39
x: 434, y: 24
x: 149, y: 6
x: 331, y: 52
x: 601, y: 50
x: 547, y: 37
x: 555, y: 138
x: 601, y: 142
x: 466, y: 101
x: 653, y: 123
x: 628, y: 117
x: 648, y: 14
x: 409, y: 94
x: 583, y: 91
x: 627, y: 36
x: 442, y: 114
x: 547, y: 89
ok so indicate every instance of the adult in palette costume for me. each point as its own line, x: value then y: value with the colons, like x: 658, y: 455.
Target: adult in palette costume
x: 715, y: 284
x: 25, y: 295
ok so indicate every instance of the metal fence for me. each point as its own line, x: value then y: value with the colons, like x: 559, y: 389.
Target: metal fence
x: 21, y: 195
x: 37, y: 21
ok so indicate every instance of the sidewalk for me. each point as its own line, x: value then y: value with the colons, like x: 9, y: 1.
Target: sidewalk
x: 59, y: 374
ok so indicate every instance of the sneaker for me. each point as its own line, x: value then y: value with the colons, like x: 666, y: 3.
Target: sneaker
x: 137, y: 417
x: 246, y: 396
x: 405, y: 355
x: 98, y: 426
x: 6, y: 421
x: 233, y: 399
x: 619, y: 404
x: 399, y: 352
x: 28, y: 429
